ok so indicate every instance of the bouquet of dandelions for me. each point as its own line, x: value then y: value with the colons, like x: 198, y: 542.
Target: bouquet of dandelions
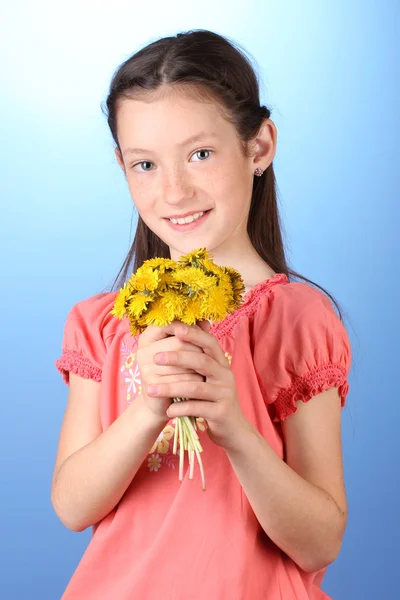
x: 190, y: 290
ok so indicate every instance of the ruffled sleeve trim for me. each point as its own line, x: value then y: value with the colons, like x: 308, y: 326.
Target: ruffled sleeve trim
x: 306, y: 386
x: 75, y: 362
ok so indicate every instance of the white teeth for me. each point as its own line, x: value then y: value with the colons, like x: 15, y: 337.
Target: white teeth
x: 189, y: 219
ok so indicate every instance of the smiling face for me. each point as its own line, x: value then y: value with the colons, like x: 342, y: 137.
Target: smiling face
x: 180, y: 155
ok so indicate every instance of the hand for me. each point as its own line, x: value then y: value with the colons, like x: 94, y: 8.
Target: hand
x: 162, y: 339
x: 214, y: 399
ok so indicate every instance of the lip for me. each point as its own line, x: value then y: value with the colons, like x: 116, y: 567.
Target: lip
x: 192, y: 212
x: 189, y: 226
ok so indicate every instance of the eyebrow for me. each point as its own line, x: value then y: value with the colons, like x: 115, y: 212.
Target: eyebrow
x: 194, y: 138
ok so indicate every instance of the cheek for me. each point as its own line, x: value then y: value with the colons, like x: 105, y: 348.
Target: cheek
x: 141, y: 195
x: 233, y: 189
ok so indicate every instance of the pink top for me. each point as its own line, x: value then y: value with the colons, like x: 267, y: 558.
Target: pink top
x: 170, y: 540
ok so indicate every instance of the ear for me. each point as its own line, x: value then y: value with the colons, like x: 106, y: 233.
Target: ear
x: 119, y: 158
x: 264, y: 145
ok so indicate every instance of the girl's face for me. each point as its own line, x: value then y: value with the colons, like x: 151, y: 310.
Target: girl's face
x: 181, y: 156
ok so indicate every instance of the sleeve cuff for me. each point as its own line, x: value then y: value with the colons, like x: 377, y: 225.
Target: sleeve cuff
x: 306, y: 386
x: 72, y: 361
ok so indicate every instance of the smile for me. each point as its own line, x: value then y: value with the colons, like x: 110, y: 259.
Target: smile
x: 189, y: 223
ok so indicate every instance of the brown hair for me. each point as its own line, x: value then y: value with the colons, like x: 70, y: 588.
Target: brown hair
x: 207, y: 62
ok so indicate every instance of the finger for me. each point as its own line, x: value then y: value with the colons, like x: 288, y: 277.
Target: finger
x: 171, y: 371
x: 206, y: 341
x: 204, y: 325
x: 192, y: 408
x: 197, y: 390
x: 175, y: 343
x: 199, y: 362
x: 153, y: 333
x: 172, y: 378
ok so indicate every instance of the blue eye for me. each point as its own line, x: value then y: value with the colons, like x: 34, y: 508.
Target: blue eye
x: 202, y: 154
x: 144, y: 162
x: 203, y: 151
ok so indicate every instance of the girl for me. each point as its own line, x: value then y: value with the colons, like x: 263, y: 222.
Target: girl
x: 266, y: 384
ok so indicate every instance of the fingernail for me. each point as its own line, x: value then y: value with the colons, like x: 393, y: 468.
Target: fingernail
x: 161, y: 358
x: 152, y: 389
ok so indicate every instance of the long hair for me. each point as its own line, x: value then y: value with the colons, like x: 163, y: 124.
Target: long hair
x: 218, y: 68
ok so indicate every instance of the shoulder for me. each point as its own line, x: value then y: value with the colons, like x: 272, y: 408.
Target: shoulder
x: 88, y: 328
x: 93, y: 315
x: 295, y: 304
x: 299, y: 295
x: 301, y: 346
x: 96, y: 303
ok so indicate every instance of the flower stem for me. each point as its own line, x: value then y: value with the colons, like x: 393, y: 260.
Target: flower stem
x: 185, y: 430
x: 175, y: 437
x: 181, y: 449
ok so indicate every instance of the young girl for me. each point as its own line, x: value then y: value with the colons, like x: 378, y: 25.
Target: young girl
x: 266, y: 384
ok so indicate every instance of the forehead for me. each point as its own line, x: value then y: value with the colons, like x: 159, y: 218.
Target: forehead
x: 168, y: 116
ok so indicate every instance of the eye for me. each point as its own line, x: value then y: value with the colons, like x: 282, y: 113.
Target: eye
x: 201, y: 154
x: 147, y: 163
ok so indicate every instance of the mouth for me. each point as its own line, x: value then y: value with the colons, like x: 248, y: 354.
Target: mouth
x: 190, y: 223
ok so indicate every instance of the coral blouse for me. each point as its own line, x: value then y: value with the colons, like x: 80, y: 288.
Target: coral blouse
x: 167, y: 539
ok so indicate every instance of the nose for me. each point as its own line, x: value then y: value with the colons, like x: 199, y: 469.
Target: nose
x: 176, y: 187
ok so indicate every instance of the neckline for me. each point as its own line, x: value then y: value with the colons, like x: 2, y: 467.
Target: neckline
x: 248, y: 296
x: 250, y: 300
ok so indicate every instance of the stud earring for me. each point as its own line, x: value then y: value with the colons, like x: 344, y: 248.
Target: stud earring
x: 258, y: 172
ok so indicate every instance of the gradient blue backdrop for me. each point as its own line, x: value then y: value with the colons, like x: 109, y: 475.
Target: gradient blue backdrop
x: 329, y: 75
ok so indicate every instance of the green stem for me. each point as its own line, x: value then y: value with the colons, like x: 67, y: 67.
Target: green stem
x: 185, y: 430
x: 181, y: 449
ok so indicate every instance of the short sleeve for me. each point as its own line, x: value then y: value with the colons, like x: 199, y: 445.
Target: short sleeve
x: 84, y: 342
x: 301, y: 348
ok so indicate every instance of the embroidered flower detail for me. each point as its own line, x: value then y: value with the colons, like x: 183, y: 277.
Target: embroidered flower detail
x: 130, y: 374
x: 133, y: 379
x: 201, y: 423
x: 129, y: 361
x: 170, y: 460
x: 154, y: 462
x: 162, y: 442
x: 229, y: 357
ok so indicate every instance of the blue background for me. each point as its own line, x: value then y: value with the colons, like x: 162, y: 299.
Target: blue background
x: 329, y: 75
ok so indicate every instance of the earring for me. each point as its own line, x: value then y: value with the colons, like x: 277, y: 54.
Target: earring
x: 258, y: 172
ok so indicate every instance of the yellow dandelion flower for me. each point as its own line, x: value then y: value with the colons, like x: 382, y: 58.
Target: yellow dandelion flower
x: 167, y: 281
x: 193, y: 311
x: 226, y: 284
x: 210, y: 266
x: 161, y: 264
x: 173, y: 303
x: 216, y: 303
x: 236, y: 279
x: 146, y: 279
x: 139, y: 324
x: 138, y: 303
x: 134, y: 327
x: 193, y: 278
x: 121, y: 302
x: 194, y: 257
x: 159, y: 313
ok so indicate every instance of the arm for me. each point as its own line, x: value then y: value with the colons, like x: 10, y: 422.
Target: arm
x: 300, y: 503
x: 93, y: 468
